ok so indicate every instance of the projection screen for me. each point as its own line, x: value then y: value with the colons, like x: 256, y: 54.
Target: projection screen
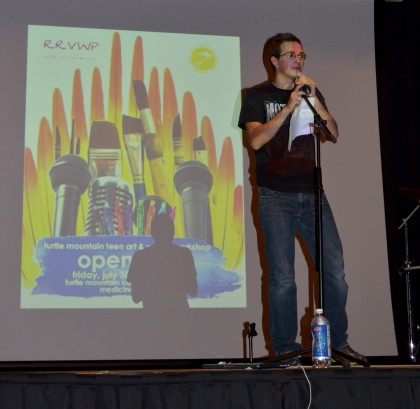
x: 116, y: 112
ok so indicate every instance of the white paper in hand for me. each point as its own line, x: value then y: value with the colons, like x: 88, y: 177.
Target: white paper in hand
x: 301, y: 121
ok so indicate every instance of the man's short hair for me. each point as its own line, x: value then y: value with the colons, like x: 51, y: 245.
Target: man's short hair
x: 272, y: 46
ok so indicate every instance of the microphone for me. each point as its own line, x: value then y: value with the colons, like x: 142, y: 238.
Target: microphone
x: 305, y: 88
x: 69, y: 177
x: 110, y: 207
x: 193, y: 182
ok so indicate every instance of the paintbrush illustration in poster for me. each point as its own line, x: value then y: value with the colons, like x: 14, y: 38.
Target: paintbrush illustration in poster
x: 120, y: 127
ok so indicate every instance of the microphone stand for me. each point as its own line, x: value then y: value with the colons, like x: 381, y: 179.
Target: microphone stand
x: 251, y: 333
x: 319, y: 126
x: 406, y: 268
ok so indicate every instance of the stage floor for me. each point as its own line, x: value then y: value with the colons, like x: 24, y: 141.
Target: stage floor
x: 379, y: 386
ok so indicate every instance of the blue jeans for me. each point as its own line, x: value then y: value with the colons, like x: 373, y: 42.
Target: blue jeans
x: 282, y: 214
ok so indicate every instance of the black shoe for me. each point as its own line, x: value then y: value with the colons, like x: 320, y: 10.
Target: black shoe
x: 288, y: 360
x: 346, y: 355
x: 295, y: 361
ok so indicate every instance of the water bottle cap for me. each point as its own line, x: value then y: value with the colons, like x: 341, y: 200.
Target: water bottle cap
x: 319, y: 311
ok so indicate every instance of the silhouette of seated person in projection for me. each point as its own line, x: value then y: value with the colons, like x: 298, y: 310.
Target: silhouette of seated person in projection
x: 163, y: 274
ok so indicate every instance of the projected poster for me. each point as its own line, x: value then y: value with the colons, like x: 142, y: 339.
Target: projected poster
x: 120, y: 127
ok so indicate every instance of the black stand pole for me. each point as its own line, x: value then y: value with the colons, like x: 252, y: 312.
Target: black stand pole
x: 320, y: 126
x: 251, y: 334
x: 406, y: 268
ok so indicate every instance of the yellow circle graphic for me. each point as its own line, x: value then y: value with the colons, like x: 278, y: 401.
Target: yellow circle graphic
x: 203, y: 59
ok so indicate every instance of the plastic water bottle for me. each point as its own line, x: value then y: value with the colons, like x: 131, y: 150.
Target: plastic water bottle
x: 321, y: 341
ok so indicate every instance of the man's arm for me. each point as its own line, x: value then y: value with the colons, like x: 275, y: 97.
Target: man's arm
x: 325, y: 115
x: 319, y: 106
x: 259, y: 134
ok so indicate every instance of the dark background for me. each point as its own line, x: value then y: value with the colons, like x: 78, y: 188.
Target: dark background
x: 398, y: 66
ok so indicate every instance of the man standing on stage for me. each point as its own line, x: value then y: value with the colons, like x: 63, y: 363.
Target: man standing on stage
x: 273, y: 118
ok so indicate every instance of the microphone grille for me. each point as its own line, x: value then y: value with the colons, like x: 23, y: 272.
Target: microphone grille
x: 110, y: 206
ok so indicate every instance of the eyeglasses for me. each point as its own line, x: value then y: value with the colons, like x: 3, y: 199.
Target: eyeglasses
x: 291, y: 55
